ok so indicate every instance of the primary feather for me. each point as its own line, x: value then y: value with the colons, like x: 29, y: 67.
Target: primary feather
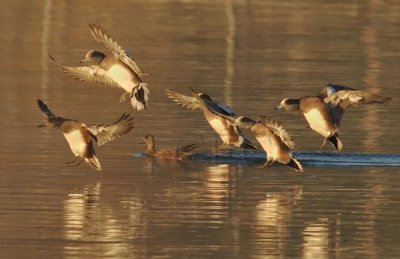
x: 107, y: 133
x: 91, y: 73
x: 279, y: 131
x: 109, y: 43
x: 188, y: 102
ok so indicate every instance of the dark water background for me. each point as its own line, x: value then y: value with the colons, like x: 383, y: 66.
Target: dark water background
x: 248, y: 54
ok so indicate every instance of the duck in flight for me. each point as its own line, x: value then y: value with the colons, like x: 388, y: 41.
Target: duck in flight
x: 79, y: 135
x: 214, y: 113
x: 273, y: 138
x: 324, y: 112
x: 118, y: 70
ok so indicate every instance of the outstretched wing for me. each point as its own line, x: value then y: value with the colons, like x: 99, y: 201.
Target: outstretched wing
x: 219, y: 108
x: 331, y: 89
x: 339, y: 101
x: 45, y: 109
x: 109, y: 43
x: 106, y: 133
x: 92, y: 73
x: 347, y: 98
x: 183, y: 100
x: 215, y: 107
x: 277, y: 129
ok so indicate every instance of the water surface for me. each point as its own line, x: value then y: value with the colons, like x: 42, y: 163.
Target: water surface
x: 248, y: 54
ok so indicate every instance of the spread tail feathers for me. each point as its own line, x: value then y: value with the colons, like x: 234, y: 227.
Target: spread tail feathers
x: 334, y: 139
x: 295, y: 164
x: 140, y: 96
x: 94, y: 163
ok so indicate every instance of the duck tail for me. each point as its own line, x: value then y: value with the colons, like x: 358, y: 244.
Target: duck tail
x: 93, y: 163
x: 295, y: 164
x: 140, y: 97
x: 334, y: 139
x: 188, y: 148
x: 246, y: 144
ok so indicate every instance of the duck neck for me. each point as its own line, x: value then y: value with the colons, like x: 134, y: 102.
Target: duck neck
x: 150, y: 149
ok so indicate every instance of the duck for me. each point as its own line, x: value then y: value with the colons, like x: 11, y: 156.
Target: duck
x: 180, y: 153
x: 214, y: 113
x: 273, y: 138
x: 324, y: 112
x: 118, y: 70
x: 80, y: 136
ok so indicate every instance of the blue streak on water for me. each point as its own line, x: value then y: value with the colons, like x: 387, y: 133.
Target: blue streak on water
x: 306, y: 158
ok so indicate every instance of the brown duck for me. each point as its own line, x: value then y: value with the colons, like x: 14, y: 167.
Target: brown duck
x: 180, y: 153
x: 79, y: 135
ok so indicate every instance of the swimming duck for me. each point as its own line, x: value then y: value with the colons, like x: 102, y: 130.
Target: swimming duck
x: 324, y: 112
x: 180, y: 153
x: 79, y: 135
x: 230, y: 134
x: 118, y: 70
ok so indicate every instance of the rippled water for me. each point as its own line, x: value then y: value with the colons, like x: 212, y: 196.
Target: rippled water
x: 248, y: 54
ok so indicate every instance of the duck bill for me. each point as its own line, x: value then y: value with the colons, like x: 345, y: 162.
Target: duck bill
x: 42, y: 125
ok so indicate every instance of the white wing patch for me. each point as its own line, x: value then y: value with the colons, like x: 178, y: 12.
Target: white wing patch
x: 351, y: 96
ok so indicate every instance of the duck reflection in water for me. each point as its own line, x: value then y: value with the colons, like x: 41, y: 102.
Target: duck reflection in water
x: 80, y: 208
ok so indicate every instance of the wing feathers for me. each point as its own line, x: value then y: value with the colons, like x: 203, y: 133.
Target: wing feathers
x: 189, y: 102
x: 109, y: 43
x: 278, y: 130
x: 107, y: 133
x: 45, y: 109
x: 347, y: 98
x: 88, y: 73
x: 219, y: 108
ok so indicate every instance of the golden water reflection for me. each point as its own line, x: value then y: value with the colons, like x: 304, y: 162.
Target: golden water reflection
x: 248, y: 54
x: 321, y: 238
x: 94, y: 225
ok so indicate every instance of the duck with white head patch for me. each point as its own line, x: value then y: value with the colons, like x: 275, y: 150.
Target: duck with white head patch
x: 273, y: 138
x: 118, y: 70
x: 324, y: 112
